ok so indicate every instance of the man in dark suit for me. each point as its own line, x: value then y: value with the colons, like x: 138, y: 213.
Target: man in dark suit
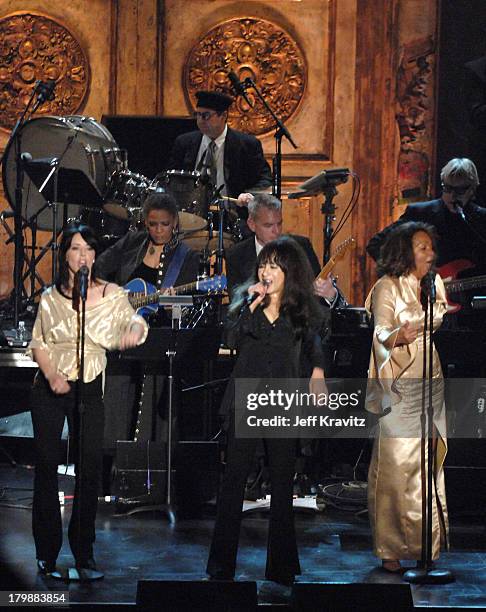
x: 265, y: 220
x: 232, y: 159
x: 459, y: 221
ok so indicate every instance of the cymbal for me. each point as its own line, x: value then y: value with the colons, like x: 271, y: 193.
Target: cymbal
x: 191, y: 223
x: 200, y: 240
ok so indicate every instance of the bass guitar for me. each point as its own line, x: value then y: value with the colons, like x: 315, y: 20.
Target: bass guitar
x: 449, y: 273
x: 144, y: 297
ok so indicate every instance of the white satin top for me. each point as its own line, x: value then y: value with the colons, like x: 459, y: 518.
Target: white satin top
x: 57, y: 331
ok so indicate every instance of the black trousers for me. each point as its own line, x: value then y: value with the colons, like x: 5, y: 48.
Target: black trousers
x: 282, y: 555
x: 48, y: 411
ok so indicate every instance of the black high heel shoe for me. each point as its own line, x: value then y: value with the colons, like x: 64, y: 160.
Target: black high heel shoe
x: 46, y: 568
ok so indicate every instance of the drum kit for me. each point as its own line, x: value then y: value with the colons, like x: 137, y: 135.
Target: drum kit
x: 79, y: 142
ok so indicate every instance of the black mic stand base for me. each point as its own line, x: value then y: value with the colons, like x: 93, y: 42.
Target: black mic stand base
x: 424, y: 575
x: 168, y: 511
x: 77, y: 574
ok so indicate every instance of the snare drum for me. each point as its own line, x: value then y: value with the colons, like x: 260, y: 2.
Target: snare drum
x: 190, y: 192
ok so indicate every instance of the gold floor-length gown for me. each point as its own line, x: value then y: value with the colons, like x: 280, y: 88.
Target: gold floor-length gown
x: 395, y: 375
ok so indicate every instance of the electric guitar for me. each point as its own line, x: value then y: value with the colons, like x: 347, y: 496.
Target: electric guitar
x: 339, y: 253
x: 449, y: 272
x: 144, y: 297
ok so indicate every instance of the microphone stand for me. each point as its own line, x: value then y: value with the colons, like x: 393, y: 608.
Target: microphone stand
x: 424, y: 573
x: 75, y: 573
x: 280, y: 132
x: 460, y: 211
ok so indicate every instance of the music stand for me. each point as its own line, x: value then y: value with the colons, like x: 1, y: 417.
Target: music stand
x: 59, y: 185
x: 174, y: 344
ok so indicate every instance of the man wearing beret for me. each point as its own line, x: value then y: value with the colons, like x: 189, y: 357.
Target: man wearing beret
x: 231, y: 158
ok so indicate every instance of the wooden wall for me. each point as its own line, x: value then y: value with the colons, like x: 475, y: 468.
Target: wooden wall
x: 353, y: 48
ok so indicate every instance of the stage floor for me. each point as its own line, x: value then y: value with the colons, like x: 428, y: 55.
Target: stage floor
x: 334, y: 546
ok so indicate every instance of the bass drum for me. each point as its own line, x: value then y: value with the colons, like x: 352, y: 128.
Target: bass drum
x: 79, y: 142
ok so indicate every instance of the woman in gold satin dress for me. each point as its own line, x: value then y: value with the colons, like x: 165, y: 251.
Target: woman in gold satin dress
x: 395, y: 393
x: 111, y: 323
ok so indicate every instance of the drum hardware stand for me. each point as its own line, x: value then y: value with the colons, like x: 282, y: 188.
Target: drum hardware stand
x: 220, y: 256
x: 424, y: 574
x: 44, y: 91
x: 29, y: 261
x: 280, y: 132
x: 325, y: 182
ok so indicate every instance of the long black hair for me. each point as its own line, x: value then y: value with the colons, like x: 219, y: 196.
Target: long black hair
x: 68, y: 234
x: 396, y: 255
x: 298, y: 304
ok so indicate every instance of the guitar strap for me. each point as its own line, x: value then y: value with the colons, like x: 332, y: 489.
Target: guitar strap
x: 175, y: 265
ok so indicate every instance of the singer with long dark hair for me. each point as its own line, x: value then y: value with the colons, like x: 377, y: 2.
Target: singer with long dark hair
x: 395, y: 393
x: 110, y: 324
x: 275, y: 338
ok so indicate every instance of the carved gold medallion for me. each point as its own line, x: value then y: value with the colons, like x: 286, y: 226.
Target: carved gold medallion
x: 256, y: 49
x: 35, y: 47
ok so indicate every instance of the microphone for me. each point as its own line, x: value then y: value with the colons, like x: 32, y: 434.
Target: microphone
x: 238, y: 87
x: 432, y: 288
x: 251, y: 298
x: 83, y: 275
x: 459, y: 208
x: 428, y: 290
x: 46, y: 90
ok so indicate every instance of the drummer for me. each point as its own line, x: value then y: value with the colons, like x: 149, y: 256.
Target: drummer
x: 154, y: 253
x: 231, y: 159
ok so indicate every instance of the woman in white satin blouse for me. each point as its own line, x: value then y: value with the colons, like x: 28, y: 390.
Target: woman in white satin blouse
x: 111, y: 323
x: 394, y: 392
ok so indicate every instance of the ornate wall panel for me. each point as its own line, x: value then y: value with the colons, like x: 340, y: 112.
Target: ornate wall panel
x: 34, y: 47
x: 294, y: 30
x: 342, y: 105
x: 62, y: 43
x: 254, y: 49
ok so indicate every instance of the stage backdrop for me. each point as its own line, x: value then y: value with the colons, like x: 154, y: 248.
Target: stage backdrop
x: 354, y: 80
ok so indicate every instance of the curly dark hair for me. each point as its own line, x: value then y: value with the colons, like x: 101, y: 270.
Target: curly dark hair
x: 160, y: 200
x: 299, y: 303
x: 88, y: 234
x: 396, y: 255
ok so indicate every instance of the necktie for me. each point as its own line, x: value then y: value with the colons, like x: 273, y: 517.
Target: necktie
x: 209, y: 163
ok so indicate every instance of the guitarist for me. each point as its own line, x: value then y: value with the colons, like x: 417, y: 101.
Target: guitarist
x: 459, y: 220
x: 265, y: 221
x: 155, y: 255
x: 458, y: 235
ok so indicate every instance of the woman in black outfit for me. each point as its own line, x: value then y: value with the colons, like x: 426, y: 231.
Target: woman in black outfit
x: 275, y: 337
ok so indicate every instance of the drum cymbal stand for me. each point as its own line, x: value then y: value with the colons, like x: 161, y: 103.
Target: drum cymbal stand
x: 43, y: 91
x: 220, y: 256
x: 221, y: 204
